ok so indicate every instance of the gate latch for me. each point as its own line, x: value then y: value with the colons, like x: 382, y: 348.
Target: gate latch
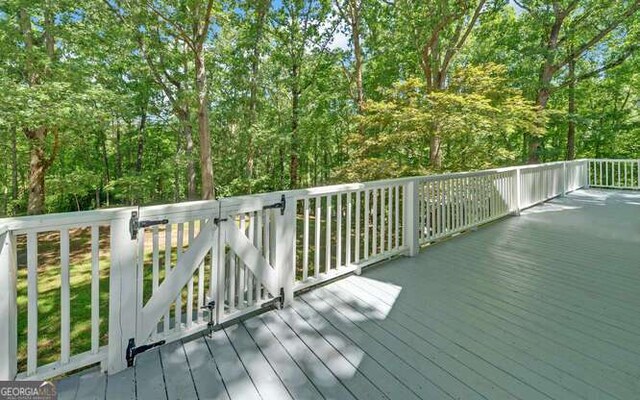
x: 135, y: 224
x: 281, y: 205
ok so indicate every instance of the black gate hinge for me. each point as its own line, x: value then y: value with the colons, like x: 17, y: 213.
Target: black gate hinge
x: 133, y: 351
x: 218, y: 220
x: 135, y: 224
x: 282, y: 205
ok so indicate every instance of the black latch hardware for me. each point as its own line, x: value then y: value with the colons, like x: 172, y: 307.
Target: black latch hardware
x: 135, y: 224
x: 281, y: 301
x: 133, y: 351
x: 281, y: 205
x: 211, y: 306
x: 218, y: 220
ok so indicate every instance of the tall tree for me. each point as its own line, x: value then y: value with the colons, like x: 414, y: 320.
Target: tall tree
x: 351, y: 13
x: 301, y: 29
x: 190, y: 22
x: 589, y: 24
x: 439, y: 30
x: 39, y: 56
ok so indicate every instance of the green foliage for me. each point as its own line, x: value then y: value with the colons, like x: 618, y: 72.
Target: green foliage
x: 120, y: 92
x: 478, y: 117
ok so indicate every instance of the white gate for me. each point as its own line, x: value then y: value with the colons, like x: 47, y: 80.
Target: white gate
x: 220, y: 254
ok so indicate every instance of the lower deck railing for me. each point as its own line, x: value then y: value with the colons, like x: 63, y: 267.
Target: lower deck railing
x: 83, y: 288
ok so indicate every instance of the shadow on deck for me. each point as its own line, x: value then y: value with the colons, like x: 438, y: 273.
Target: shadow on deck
x: 545, y: 305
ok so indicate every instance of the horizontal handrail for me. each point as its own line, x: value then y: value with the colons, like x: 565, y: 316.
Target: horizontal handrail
x: 44, y: 222
x: 77, y: 218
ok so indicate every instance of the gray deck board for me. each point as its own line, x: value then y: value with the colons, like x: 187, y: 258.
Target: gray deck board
x: 541, y: 306
x: 373, y: 343
x: 237, y: 381
x: 292, y: 376
x: 68, y: 388
x: 92, y: 385
x: 467, y: 327
x: 375, y: 370
x: 267, y: 382
x: 204, y: 370
x: 326, y: 383
x: 347, y: 373
x: 122, y: 385
x: 177, y: 375
x: 149, y: 376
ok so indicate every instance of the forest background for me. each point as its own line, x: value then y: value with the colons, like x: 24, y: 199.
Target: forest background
x: 122, y: 102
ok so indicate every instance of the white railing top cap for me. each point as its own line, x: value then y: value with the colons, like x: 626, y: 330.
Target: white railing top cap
x: 85, y: 218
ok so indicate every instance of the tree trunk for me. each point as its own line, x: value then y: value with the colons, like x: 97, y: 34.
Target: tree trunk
x: 261, y: 12
x: 37, y: 171
x: 535, y: 141
x: 547, y: 71
x: 357, y: 50
x: 435, y: 153
x: 140, y: 153
x: 14, y: 164
x: 39, y: 163
x: 118, y: 152
x: 176, y: 173
x: 295, y: 117
x: 184, y: 115
x: 105, y: 157
x: 206, y: 165
x: 571, y: 128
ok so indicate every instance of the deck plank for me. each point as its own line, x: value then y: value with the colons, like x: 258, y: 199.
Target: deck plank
x: 444, y: 370
x: 122, y: 385
x: 465, y: 327
x: 92, y: 385
x: 437, y: 334
x: 68, y: 387
x: 149, y: 376
x: 204, y: 370
x: 316, y: 371
x: 418, y: 383
x: 234, y: 375
x: 347, y: 373
x: 267, y: 382
x: 177, y: 375
x: 292, y: 376
x: 454, y: 272
x: 392, y: 386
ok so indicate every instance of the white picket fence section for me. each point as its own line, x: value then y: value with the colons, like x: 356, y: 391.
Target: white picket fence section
x: 614, y: 174
x: 241, y: 252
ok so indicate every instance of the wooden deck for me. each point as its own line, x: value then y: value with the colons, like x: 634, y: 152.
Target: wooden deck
x: 546, y: 305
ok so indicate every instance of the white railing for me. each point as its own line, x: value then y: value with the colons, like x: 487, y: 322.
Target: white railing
x: 614, y: 174
x: 241, y: 253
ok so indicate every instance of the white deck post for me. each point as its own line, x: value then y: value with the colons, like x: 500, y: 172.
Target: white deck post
x: 285, y: 249
x: 564, y: 178
x: 517, y: 194
x: 122, y: 291
x: 411, y: 212
x: 8, y: 307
